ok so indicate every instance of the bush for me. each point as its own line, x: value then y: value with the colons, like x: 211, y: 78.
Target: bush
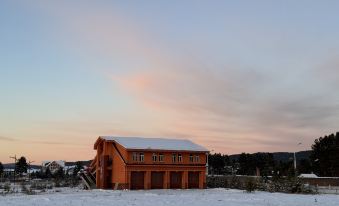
x: 235, y: 183
x: 217, y: 182
x: 41, y: 186
x: 295, y: 185
x: 251, y: 185
x: 57, y: 183
x: 26, y: 190
x: 7, y: 187
x: 74, y: 182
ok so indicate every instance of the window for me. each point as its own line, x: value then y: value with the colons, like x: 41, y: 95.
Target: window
x: 135, y: 157
x: 191, y: 158
x: 141, y: 157
x: 179, y: 158
x: 161, y: 157
x: 196, y: 158
x: 174, y: 157
x: 154, y: 157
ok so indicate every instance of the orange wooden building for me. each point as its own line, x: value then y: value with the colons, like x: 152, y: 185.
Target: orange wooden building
x: 148, y: 163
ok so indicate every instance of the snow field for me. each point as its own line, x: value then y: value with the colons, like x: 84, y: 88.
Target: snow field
x: 209, y: 197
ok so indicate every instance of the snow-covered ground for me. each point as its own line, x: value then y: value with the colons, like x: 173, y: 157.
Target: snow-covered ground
x: 210, y: 197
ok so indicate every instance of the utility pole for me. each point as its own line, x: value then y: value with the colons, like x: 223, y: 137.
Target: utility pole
x: 29, y: 170
x: 295, y: 160
x: 15, y: 160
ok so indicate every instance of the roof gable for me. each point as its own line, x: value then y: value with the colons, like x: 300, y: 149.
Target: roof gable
x: 155, y: 143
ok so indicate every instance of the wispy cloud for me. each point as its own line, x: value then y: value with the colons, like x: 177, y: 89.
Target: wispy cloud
x: 20, y: 140
x: 2, y: 138
x: 229, y: 106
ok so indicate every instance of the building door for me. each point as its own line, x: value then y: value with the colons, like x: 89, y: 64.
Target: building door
x: 193, y: 179
x: 137, y: 180
x: 157, y: 180
x: 176, y: 180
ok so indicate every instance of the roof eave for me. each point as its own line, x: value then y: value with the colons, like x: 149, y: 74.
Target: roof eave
x: 166, y: 150
x: 97, y: 142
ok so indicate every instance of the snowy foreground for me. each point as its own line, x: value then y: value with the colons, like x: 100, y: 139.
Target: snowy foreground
x: 208, y: 197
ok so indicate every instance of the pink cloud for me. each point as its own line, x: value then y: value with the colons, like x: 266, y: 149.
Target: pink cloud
x: 229, y: 108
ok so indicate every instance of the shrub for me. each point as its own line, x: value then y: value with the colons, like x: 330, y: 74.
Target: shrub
x: 217, y: 182
x: 26, y: 190
x: 235, y: 183
x: 294, y: 185
x: 7, y: 187
x: 74, y: 182
x: 251, y: 185
x: 41, y: 185
x: 57, y: 183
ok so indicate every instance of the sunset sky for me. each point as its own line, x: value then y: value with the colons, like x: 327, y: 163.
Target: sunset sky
x: 233, y: 76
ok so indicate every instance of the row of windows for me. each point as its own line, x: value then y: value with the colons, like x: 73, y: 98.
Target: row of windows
x: 140, y: 157
x: 156, y: 157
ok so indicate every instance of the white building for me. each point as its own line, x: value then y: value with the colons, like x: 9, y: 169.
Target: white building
x: 53, y: 166
x: 8, y: 172
x: 69, y: 169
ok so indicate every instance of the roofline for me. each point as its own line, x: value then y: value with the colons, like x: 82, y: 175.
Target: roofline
x: 56, y: 161
x: 166, y: 150
x: 100, y: 139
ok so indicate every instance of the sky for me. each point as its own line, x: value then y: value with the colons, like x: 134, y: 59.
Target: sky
x: 233, y: 76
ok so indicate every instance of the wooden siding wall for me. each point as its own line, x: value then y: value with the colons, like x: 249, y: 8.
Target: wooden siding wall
x: 115, y: 157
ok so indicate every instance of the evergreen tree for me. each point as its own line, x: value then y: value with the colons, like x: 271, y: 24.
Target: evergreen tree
x: 325, y: 155
x: 48, y: 173
x: 217, y: 163
x: 250, y: 163
x: 1, y: 168
x: 247, y: 163
x: 21, y: 165
x: 304, y: 166
x: 265, y: 163
x: 59, y: 174
x: 78, y: 167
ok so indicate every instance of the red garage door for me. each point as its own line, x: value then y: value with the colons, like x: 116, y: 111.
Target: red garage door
x: 137, y: 180
x: 157, y: 180
x: 176, y: 180
x: 193, y: 179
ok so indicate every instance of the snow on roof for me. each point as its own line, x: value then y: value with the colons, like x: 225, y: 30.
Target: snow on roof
x: 33, y: 170
x: 155, y: 143
x: 308, y: 175
x: 59, y: 162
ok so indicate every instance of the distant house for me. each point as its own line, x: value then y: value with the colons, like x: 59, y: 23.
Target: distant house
x: 8, y: 172
x: 33, y: 170
x: 148, y: 163
x: 53, y: 166
x: 69, y: 169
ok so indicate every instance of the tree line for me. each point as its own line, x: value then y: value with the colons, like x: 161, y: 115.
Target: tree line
x: 323, y: 161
